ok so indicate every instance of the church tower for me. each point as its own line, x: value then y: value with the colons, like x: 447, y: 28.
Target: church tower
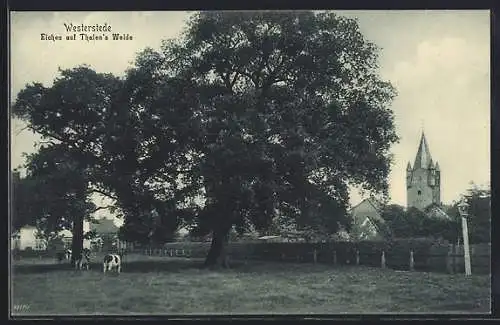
x: 423, y: 180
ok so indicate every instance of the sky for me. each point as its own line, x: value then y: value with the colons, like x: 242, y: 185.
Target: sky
x: 439, y: 62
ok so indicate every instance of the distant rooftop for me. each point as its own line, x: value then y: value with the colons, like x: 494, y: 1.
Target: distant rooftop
x: 104, y: 226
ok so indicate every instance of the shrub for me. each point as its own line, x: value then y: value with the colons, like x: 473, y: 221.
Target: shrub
x: 429, y: 254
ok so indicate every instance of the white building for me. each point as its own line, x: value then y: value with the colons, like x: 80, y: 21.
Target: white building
x: 26, y: 238
x: 67, y: 236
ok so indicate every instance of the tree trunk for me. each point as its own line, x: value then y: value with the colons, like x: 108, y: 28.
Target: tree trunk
x: 77, y: 241
x: 217, y: 255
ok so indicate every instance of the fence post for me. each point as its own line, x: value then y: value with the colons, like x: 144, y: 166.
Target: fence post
x: 357, y: 256
x: 412, y: 261
x: 282, y: 256
x: 382, y: 260
x: 315, y: 256
x: 449, y: 259
x: 334, y: 257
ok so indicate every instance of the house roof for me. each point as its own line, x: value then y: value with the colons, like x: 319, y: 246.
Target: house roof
x: 104, y: 226
x: 435, y: 211
x: 370, y: 223
x: 377, y: 206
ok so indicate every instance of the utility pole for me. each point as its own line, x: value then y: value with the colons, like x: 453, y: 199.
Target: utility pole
x: 463, y: 210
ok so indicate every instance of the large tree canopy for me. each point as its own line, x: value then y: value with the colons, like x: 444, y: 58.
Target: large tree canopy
x: 294, y: 111
x: 53, y: 196
x: 246, y: 118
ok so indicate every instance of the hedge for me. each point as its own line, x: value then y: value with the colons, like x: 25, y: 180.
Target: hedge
x: 428, y: 254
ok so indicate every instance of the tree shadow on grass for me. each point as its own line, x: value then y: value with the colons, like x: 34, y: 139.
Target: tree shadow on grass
x: 174, y: 265
x: 39, y: 268
x: 167, y: 265
x: 256, y: 266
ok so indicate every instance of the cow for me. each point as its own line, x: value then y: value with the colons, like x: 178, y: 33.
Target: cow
x: 84, y: 261
x: 112, y: 261
x: 65, y: 255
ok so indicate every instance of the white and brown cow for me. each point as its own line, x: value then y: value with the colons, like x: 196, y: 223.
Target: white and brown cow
x: 112, y: 261
x: 84, y: 261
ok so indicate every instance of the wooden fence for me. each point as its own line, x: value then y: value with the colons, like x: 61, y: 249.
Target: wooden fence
x: 436, y: 258
x: 400, y: 255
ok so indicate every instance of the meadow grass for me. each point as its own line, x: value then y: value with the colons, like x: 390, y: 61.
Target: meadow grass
x: 165, y: 285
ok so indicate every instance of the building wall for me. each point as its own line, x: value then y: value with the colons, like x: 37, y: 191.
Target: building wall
x: 359, y: 213
x: 420, y: 194
x: 27, y: 238
x: 364, y: 209
x: 68, y: 236
x: 69, y: 240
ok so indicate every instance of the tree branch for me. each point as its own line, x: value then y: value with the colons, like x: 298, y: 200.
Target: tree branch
x: 52, y: 135
x: 111, y: 196
x: 24, y: 128
x: 103, y: 208
x: 236, y: 74
x: 47, y: 142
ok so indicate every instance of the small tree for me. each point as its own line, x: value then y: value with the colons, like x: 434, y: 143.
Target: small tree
x: 416, y: 223
x: 479, y: 222
x: 396, y: 220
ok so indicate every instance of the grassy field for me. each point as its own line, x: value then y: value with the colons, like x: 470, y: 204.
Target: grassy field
x: 161, y: 285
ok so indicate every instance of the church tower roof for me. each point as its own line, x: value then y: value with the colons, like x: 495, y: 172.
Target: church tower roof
x: 423, y: 158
